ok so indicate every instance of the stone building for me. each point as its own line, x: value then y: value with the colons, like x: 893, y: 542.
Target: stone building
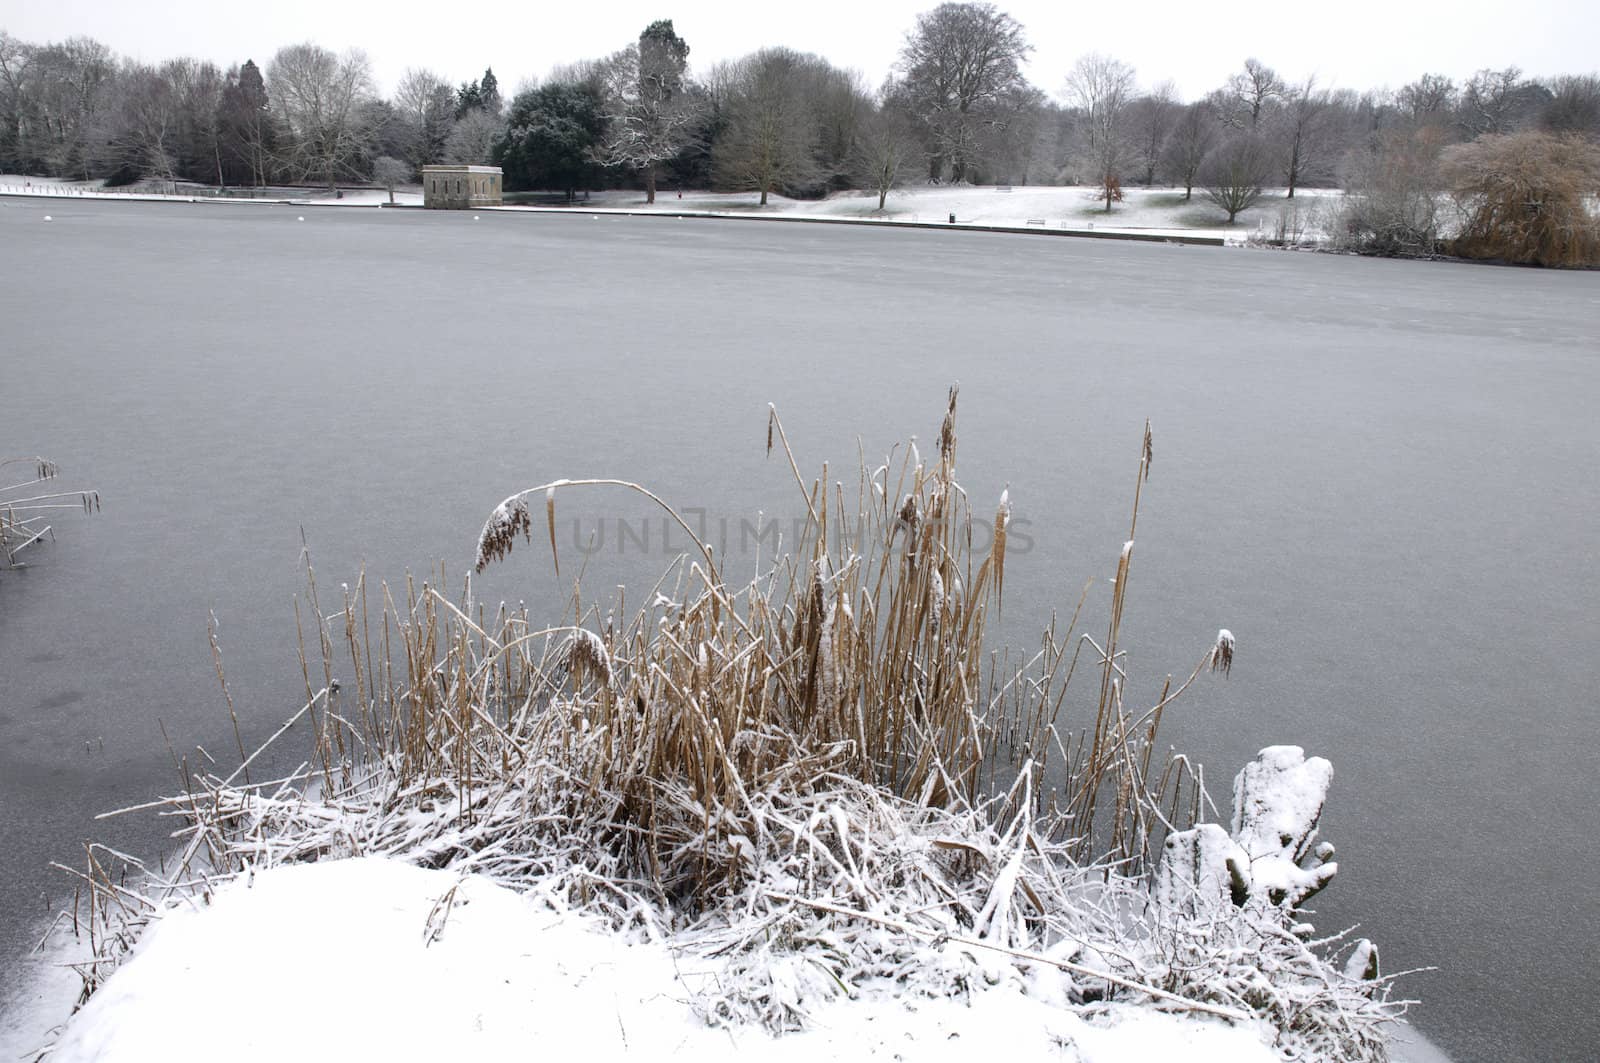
x: 460, y: 187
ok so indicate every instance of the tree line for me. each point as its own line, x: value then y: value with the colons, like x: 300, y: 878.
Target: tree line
x: 956, y: 108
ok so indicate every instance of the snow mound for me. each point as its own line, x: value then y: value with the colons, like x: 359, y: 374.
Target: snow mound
x: 376, y: 959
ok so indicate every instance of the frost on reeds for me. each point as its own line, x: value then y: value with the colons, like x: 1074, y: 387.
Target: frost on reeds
x: 25, y: 507
x: 817, y: 776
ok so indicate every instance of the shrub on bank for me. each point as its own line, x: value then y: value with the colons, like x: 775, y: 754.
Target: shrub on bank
x: 1527, y: 198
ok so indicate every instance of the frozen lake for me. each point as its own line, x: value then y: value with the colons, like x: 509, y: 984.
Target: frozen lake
x: 1379, y: 475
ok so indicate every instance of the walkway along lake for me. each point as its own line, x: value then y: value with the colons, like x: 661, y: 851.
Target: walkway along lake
x: 1379, y: 475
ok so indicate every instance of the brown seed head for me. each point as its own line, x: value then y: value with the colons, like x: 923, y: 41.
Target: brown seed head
x: 500, y: 531
x: 586, y: 658
x: 947, y: 431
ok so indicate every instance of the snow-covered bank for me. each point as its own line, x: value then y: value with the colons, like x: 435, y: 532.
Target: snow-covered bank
x: 1153, y: 211
x: 432, y: 964
x: 22, y: 185
x: 499, y: 964
x: 373, y: 958
x: 1157, y: 212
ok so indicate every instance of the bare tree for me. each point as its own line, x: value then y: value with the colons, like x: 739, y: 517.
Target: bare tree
x: 1391, y: 206
x: 73, y: 95
x: 1102, y: 87
x: 1009, y: 134
x: 149, y: 123
x: 198, y: 88
x: 769, y: 142
x: 958, y: 59
x: 318, y: 97
x: 1234, y: 172
x: 651, y: 119
x: 1250, y: 94
x: 589, y: 74
x: 1428, y: 100
x: 1191, y: 140
x: 1300, y: 131
x: 473, y: 137
x: 1574, y: 105
x: 840, y: 107
x: 1490, y: 102
x: 389, y: 172
x: 1047, y: 161
x: 16, y: 98
x: 427, y: 104
x: 1151, y: 119
x: 885, y: 150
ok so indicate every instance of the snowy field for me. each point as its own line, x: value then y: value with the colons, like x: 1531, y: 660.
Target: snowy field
x: 1156, y: 211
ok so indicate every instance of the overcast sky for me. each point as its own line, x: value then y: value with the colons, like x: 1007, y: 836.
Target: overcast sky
x: 1356, y: 44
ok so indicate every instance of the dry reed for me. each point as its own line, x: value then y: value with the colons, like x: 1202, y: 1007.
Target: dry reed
x: 836, y: 727
x: 23, y: 511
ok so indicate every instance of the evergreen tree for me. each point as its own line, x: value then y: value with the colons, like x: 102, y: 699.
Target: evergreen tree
x: 551, y: 138
x: 247, y: 129
x: 663, y: 55
x: 489, y: 93
x: 469, y: 97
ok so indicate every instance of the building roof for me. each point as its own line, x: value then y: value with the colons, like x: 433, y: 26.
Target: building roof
x: 446, y: 168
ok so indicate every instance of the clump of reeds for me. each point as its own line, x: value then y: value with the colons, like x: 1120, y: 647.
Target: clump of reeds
x: 827, y: 759
x: 24, y: 510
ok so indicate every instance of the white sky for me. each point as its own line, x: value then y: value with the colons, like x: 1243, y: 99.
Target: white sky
x: 1356, y: 44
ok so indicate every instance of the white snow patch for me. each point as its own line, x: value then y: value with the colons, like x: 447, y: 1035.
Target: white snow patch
x: 376, y: 959
x: 1278, y: 800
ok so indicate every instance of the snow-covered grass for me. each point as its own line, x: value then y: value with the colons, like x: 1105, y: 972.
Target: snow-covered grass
x: 188, y: 192
x: 813, y: 788
x: 1156, y: 211
x: 1147, y: 211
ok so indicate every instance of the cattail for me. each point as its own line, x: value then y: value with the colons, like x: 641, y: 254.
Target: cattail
x: 907, y: 520
x: 1222, y: 652
x: 500, y: 531
x: 1149, y: 453
x: 586, y: 658
x: 828, y: 658
x: 550, y: 521
x: 1002, y: 519
x: 936, y: 500
x: 947, y: 431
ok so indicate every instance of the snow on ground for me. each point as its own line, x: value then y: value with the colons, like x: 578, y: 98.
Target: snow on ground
x: 375, y: 959
x: 372, y: 958
x: 1158, y: 211
x: 23, y: 185
x: 1153, y: 211
x: 37, y: 991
